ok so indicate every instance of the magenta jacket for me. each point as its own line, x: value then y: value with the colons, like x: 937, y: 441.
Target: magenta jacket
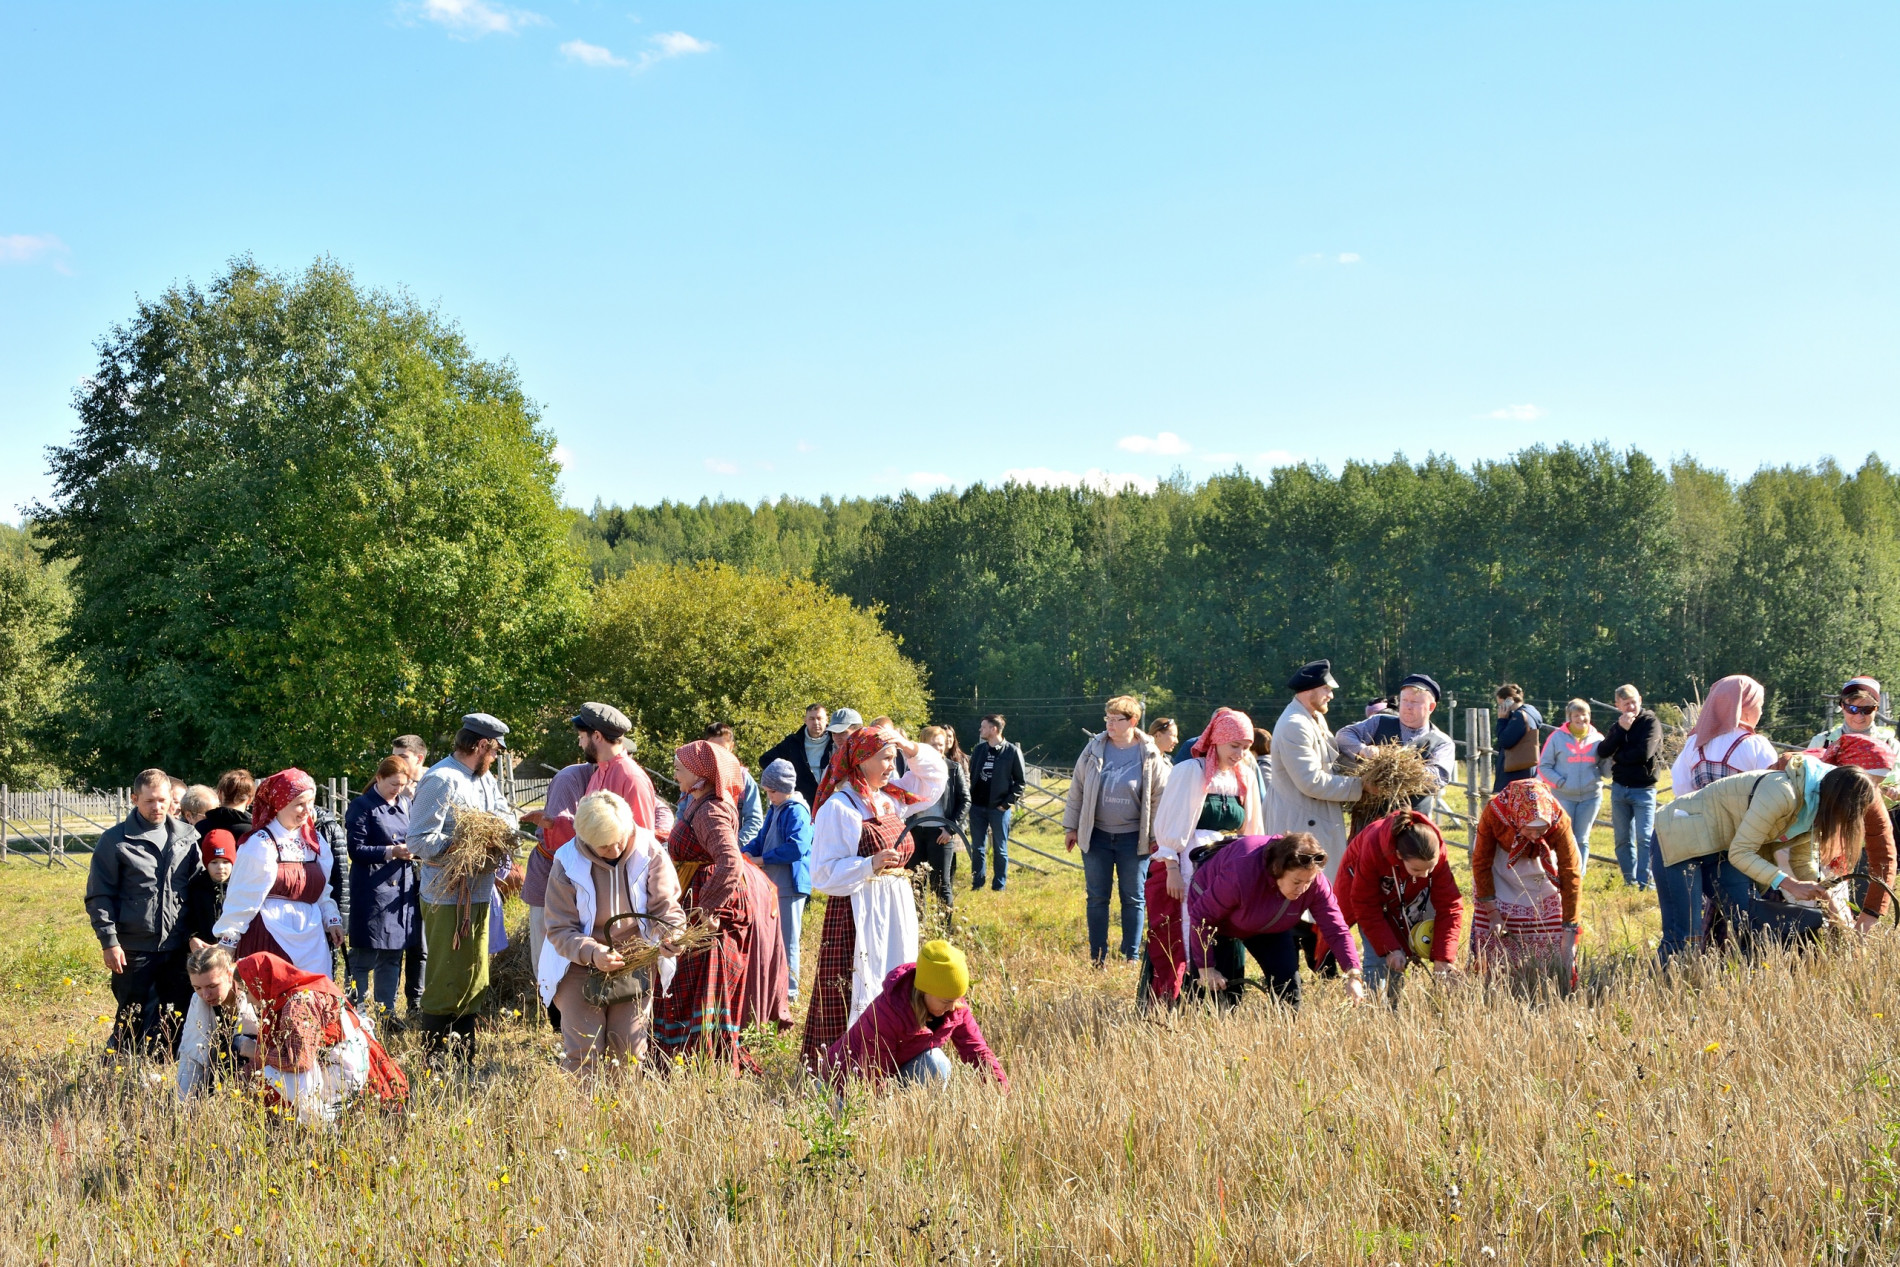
x: 887, y: 1036
x: 1233, y: 895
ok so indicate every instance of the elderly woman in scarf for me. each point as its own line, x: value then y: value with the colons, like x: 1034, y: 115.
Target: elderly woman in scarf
x: 1526, y: 876
x: 703, y: 1009
x: 1214, y: 793
x: 278, y: 899
x: 859, y: 847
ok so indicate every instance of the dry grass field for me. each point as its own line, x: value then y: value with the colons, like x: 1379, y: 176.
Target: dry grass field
x: 1734, y: 1114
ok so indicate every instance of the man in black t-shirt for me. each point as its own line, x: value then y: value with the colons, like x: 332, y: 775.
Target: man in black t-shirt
x: 997, y: 779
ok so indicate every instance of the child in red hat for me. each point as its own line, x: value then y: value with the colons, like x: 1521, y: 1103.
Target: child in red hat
x: 204, y: 897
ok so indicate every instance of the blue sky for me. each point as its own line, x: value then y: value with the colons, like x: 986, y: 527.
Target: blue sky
x: 751, y: 249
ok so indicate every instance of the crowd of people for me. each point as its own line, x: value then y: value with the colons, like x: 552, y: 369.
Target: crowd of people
x: 661, y: 931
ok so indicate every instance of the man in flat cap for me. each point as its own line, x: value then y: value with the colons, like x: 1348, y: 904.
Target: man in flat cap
x: 601, y: 730
x: 1410, y: 726
x: 1305, y: 794
x: 455, y: 926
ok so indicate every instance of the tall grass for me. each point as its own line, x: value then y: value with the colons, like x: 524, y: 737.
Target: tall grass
x: 1733, y: 1113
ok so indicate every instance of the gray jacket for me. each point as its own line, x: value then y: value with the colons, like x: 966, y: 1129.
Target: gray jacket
x: 136, y: 885
x: 1085, y: 791
x: 444, y: 787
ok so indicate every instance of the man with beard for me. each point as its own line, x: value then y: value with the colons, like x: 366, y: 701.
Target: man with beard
x: 455, y: 923
x: 1306, y: 795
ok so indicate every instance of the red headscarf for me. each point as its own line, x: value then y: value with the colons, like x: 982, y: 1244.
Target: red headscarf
x: 720, y: 773
x: 279, y: 790
x: 1227, y: 725
x: 1859, y: 750
x: 1734, y: 703
x: 1522, y: 802
x: 270, y: 979
x: 859, y: 746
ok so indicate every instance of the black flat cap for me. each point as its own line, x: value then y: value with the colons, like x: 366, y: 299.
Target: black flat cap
x: 603, y: 719
x: 1317, y: 673
x: 1425, y: 681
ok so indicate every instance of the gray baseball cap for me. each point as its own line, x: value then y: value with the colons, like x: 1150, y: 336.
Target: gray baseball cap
x: 844, y: 719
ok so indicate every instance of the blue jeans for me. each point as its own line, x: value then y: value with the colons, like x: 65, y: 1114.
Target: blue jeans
x: 387, y: 967
x: 994, y: 823
x: 1682, y: 892
x: 1114, y: 859
x: 1583, y: 816
x: 931, y: 1069
x: 1633, y: 819
x: 791, y: 920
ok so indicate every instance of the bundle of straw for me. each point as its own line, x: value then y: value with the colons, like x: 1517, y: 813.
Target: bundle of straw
x: 480, y: 842
x: 1390, y: 776
x: 641, y: 952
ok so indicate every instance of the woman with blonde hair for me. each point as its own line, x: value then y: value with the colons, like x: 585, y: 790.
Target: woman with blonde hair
x: 611, y: 881
x: 1214, y: 793
x: 1568, y: 764
x: 1113, y: 795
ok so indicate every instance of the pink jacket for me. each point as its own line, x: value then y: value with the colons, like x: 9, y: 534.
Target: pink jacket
x: 887, y: 1036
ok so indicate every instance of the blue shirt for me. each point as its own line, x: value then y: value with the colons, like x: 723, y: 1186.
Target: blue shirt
x: 444, y: 786
x: 784, y: 846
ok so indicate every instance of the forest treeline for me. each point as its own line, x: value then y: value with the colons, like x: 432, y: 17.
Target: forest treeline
x: 1567, y: 569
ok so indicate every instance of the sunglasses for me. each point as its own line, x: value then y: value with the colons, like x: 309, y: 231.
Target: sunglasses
x: 1305, y: 860
x: 1860, y: 710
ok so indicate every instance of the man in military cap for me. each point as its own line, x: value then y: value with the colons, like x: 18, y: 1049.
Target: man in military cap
x: 457, y: 979
x: 1410, y: 726
x: 1305, y: 794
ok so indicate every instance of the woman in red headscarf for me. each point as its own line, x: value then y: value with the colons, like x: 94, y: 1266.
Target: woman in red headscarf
x: 1525, y: 875
x: 1213, y: 794
x: 279, y: 898
x: 703, y: 1009
x: 859, y: 847
x: 314, y: 1052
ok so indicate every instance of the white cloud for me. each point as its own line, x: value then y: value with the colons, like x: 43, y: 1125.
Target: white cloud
x: 1517, y: 413
x: 806, y: 446
x: 1349, y: 257
x: 24, y: 248
x: 668, y: 45
x: 1094, y: 477
x: 590, y: 54
x: 719, y: 466
x: 1275, y: 457
x: 1329, y: 257
x: 1166, y: 444
x: 563, y: 456
x: 472, y: 19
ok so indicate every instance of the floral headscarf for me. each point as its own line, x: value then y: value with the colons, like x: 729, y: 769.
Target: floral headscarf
x: 859, y: 746
x: 1521, y: 803
x: 279, y: 790
x: 720, y: 772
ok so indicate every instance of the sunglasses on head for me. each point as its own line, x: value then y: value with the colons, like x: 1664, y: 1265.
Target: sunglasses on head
x: 1859, y: 710
x: 1304, y: 860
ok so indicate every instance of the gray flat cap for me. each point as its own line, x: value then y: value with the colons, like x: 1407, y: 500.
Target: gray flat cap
x: 602, y: 719
x: 487, y: 726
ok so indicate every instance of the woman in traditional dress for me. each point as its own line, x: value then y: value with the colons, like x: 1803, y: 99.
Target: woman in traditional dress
x: 1525, y: 876
x: 703, y: 1009
x: 1213, y: 793
x: 859, y: 848
x: 313, y: 1052
x: 279, y: 896
x: 220, y: 1034
x: 613, y: 867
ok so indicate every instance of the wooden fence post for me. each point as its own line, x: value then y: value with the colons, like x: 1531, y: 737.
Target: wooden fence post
x: 6, y: 812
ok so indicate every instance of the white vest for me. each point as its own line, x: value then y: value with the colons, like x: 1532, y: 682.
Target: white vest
x: 552, y: 965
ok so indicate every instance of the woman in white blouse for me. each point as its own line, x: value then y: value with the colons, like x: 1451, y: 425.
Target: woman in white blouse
x: 1724, y: 741
x: 279, y: 899
x: 859, y: 847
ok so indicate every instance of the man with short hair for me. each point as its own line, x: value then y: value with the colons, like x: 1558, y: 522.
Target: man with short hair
x: 998, y: 776
x: 455, y: 923
x: 137, y: 897
x: 412, y: 747
x: 1410, y: 726
x: 1305, y: 794
x: 808, y: 749
x: 1518, y: 739
x: 1633, y: 747
x: 751, y: 811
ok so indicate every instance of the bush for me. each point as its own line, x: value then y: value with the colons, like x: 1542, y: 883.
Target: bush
x: 676, y: 647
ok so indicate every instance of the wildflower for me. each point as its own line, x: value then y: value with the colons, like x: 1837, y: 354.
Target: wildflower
x: 1711, y: 1049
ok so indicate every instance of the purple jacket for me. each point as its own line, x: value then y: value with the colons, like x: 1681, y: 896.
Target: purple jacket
x: 1233, y: 895
x: 887, y: 1036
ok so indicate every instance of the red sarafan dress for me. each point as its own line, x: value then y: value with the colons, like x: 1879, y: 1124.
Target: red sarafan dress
x: 315, y: 1053
x: 703, y: 1010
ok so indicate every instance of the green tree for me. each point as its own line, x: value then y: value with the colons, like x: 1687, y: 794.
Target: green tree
x: 303, y: 517
x: 34, y: 604
x: 678, y: 646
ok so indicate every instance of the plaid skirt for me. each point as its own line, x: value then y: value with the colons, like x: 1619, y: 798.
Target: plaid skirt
x: 831, y: 992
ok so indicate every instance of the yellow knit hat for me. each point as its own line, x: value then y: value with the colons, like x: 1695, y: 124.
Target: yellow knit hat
x: 942, y: 970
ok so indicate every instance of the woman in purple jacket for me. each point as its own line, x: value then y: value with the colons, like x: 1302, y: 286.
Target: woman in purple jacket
x: 1251, y: 893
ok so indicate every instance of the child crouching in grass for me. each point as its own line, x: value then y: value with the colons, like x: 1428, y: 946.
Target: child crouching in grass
x: 902, y: 1034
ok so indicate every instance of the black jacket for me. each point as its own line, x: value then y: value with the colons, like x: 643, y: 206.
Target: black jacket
x: 331, y: 828
x: 792, y: 749
x: 235, y: 821
x: 204, y: 902
x: 137, y: 884
x: 1005, y: 785
x: 1635, y: 755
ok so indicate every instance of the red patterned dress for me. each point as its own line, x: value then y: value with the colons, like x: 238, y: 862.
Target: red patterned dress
x: 837, y: 946
x: 702, y: 1009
